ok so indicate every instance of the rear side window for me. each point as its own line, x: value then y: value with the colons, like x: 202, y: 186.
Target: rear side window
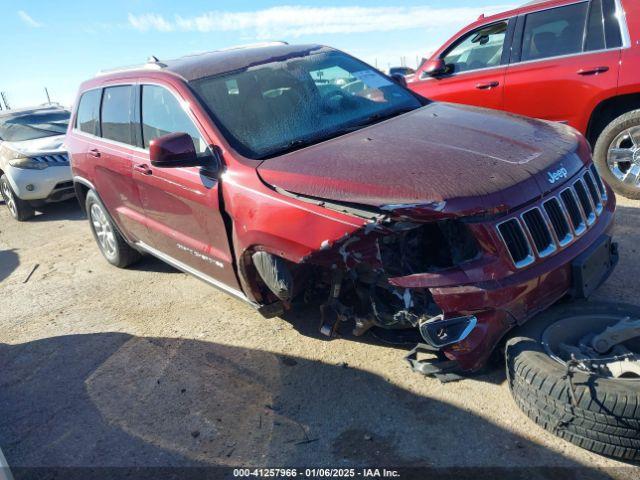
x: 116, y: 114
x: 595, y: 27
x: 87, y: 118
x: 162, y: 114
x: 554, y: 32
x: 611, y: 24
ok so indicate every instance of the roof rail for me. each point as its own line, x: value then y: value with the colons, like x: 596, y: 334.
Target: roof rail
x: 152, y: 64
x: 238, y: 47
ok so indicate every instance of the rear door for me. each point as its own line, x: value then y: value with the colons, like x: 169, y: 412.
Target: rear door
x: 181, y: 205
x: 476, y: 65
x: 565, y: 61
x: 110, y: 156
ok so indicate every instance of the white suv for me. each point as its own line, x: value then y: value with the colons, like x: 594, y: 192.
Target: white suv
x: 34, y: 165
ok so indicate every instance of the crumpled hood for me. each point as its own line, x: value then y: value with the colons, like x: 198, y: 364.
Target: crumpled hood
x: 39, y: 146
x: 456, y: 159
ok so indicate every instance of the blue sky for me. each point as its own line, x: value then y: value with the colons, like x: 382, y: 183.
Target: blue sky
x: 59, y: 44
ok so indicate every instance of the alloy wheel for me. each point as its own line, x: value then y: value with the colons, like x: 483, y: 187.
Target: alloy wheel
x: 104, y: 230
x: 7, y: 194
x: 623, y: 158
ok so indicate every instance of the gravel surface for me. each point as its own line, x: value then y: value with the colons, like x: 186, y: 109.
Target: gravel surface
x: 150, y: 367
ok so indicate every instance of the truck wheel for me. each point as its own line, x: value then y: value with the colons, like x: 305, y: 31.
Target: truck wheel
x: 114, y: 248
x: 20, y: 210
x: 617, y: 154
x: 564, y: 385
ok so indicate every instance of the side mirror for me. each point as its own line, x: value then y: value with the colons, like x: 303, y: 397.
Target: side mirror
x: 399, y: 79
x: 435, y: 68
x: 174, y: 150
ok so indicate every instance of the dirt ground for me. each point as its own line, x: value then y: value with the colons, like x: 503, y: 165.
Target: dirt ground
x: 150, y: 367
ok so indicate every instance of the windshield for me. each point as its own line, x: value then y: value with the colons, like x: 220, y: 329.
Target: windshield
x: 270, y: 109
x: 32, y: 124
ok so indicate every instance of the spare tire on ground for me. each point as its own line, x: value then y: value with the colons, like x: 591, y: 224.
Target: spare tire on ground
x: 586, y: 394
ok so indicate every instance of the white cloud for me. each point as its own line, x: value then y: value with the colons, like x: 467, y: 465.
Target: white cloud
x: 295, y: 21
x: 150, y: 21
x: 28, y: 20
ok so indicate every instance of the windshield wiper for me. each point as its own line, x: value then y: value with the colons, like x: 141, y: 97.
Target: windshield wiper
x: 378, y: 117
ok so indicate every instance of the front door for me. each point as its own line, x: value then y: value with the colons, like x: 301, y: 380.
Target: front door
x: 476, y: 65
x: 181, y: 204
x: 563, y: 63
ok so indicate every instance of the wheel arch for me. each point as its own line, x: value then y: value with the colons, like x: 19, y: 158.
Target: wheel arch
x: 607, y: 111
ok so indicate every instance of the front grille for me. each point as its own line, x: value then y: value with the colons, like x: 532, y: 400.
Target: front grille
x: 539, y: 231
x: 593, y: 191
x: 516, y: 242
x: 585, y: 203
x: 561, y: 219
x: 571, y: 204
x: 57, y: 159
x: 596, y: 176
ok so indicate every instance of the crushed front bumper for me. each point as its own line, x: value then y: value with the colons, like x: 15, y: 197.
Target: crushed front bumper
x: 500, y: 304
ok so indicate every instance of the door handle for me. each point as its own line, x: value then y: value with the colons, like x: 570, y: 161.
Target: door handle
x: 94, y: 152
x: 593, y: 71
x: 487, y: 86
x: 143, y: 168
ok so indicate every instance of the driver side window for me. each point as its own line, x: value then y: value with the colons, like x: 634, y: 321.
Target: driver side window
x: 162, y: 114
x: 479, y: 49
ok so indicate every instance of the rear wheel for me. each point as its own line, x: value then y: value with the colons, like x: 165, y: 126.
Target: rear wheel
x: 617, y: 154
x: 19, y: 209
x: 113, y: 247
x: 568, y: 381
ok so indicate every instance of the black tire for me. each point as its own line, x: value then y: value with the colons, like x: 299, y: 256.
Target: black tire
x: 601, y: 151
x: 117, y: 251
x: 19, y: 209
x: 605, y: 418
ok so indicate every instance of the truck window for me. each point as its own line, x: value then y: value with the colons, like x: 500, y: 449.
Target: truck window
x: 479, y: 49
x: 554, y: 32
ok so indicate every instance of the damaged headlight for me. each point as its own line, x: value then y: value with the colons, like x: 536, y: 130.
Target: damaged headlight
x: 27, y: 162
x: 20, y: 160
x: 428, y: 247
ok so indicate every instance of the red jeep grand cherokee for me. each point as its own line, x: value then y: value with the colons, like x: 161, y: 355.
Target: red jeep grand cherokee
x: 280, y: 172
x: 571, y: 61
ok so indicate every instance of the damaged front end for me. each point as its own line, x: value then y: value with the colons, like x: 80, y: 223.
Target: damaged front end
x: 379, y: 275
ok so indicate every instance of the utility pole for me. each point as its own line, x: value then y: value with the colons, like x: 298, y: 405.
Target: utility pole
x: 4, y: 97
x: 47, y: 94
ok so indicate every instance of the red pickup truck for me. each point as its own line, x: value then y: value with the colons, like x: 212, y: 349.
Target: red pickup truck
x: 570, y: 61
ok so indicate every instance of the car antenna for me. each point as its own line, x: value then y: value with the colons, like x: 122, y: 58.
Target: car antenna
x: 155, y: 60
x: 481, y: 16
x: 4, y: 97
x: 46, y: 92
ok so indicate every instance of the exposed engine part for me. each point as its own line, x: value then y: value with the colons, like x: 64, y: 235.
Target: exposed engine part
x: 624, y: 330
x: 427, y: 247
x: 440, y: 332
x: 333, y: 312
x: 275, y: 274
x: 400, y: 308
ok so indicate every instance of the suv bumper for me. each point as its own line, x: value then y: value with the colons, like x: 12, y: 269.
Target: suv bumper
x: 499, y: 305
x: 51, y: 184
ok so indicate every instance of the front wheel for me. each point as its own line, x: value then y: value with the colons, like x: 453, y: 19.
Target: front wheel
x: 113, y: 247
x: 19, y: 209
x: 617, y: 154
